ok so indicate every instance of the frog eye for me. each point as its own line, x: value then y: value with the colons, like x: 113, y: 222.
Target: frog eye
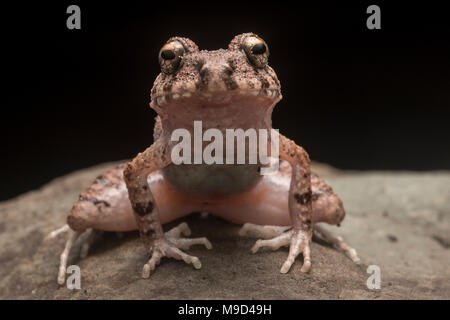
x: 257, y: 51
x: 171, y: 57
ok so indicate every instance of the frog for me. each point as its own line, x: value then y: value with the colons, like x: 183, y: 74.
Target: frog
x: 232, y: 88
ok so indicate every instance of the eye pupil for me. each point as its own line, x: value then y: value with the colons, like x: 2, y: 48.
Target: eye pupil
x: 167, y: 55
x: 259, y: 48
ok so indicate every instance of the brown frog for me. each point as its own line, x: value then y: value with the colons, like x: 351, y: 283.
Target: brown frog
x: 225, y: 89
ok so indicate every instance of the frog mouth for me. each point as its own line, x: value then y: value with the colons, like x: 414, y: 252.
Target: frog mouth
x: 213, y: 98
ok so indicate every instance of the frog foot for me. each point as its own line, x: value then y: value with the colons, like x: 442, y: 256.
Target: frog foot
x: 297, y: 240
x: 88, y: 238
x: 169, y: 246
x: 336, y: 242
x: 55, y: 233
x: 283, y: 236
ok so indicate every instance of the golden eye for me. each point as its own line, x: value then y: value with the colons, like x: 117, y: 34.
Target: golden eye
x: 171, y: 57
x: 257, y: 51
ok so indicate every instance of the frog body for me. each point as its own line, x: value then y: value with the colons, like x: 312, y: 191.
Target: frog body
x: 225, y: 89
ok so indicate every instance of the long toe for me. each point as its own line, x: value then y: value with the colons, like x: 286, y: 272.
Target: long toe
x: 171, y: 246
x: 297, y: 240
x: 265, y: 232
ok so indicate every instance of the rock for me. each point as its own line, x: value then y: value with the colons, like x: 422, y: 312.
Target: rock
x: 397, y: 221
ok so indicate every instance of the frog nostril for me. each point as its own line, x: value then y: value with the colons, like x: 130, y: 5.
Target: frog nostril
x: 204, y: 78
x: 204, y: 73
x: 228, y: 71
x: 200, y: 65
x: 227, y: 78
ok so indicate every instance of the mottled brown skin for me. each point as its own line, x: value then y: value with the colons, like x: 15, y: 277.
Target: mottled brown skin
x: 231, y: 88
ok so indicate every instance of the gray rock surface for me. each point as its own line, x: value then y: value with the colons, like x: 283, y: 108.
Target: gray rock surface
x: 398, y: 221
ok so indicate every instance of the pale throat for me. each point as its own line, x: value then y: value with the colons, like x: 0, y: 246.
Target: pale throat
x: 237, y: 113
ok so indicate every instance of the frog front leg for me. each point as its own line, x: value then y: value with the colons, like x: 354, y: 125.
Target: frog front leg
x: 146, y: 211
x: 300, y: 208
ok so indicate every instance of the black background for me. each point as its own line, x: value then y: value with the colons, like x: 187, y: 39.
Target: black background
x: 353, y: 97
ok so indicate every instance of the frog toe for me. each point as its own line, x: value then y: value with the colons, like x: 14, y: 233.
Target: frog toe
x: 297, y: 240
x: 265, y: 232
x: 336, y: 242
x: 171, y: 246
